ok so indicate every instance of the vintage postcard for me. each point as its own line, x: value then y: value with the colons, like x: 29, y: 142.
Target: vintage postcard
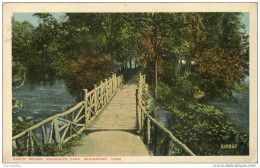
x: 130, y: 83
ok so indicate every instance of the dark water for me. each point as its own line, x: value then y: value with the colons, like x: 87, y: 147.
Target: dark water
x: 166, y: 118
x: 43, y: 101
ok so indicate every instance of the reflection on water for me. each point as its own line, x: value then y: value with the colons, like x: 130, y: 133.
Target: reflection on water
x: 166, y: 118
x: 43, y: 101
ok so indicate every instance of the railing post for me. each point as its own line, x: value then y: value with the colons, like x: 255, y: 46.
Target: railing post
x: 101, y: 95
x: 57, y: 131
x: 32, y: 143
x: 27, y: 144
x: 86, y: 107
x: 142, y: 119
x: 148, y: 97
x: 139, y: 117
x: 110, y: 88
x: 170, y: 144
x: 95, y: 99
x: 44, y: 140
x: 148, y: 131
x: 106, y: 92
x: 137, y: 110
x: 14, y: 147
x: 117, y: 83
x: 114, y: 83
x: 140, y: 92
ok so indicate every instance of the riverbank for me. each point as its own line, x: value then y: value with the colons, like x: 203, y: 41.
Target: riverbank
x: 207, y: 130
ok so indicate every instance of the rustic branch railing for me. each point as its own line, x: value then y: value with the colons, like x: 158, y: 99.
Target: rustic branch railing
x: 62, y: 127
x: 149, y: 128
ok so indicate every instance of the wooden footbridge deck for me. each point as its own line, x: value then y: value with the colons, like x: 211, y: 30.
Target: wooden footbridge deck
x: 120, y: 112
x: 115, y: 118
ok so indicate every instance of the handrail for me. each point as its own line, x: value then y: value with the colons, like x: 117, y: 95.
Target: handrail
x: 62, y: 130
x: 47, y: 120
x: 143, y: 104
x: 169, y: 133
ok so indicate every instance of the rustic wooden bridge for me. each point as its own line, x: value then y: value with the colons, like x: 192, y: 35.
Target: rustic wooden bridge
x: 116, y: 119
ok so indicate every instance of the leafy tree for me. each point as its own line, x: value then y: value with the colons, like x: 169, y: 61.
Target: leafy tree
x: 151, y: 40
x: 44, y: 44
x: 224, y: 59
x: 21, y: 41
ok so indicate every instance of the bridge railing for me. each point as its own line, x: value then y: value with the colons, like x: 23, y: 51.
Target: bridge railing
x: 151, y: 130
x: 62, y: 127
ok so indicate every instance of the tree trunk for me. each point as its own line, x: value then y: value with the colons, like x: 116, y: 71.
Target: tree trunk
x: 130, y: 64
x: 156, y: 62
x: 125, y: 66
x: 188, y: 66
x: 156, y: 77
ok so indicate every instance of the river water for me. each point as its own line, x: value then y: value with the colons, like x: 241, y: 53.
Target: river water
x: 237, y: 111
x: 42, y: 101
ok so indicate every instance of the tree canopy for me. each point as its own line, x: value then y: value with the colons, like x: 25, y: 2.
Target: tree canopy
x: 86, y: 48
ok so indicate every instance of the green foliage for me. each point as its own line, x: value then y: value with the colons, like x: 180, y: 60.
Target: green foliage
x: 56, y: 150
x: 17, y: 127
x: 16, y: 105
x: 240, y: 87
x: 18, y: 75
x: 204, y: 129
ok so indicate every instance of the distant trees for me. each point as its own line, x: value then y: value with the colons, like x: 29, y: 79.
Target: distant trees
x: 21, y: 51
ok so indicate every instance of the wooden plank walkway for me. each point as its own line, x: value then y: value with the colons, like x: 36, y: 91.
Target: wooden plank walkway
x: 118, y: 116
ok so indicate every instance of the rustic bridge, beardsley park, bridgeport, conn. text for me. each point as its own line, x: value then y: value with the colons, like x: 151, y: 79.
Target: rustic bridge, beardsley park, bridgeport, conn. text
x: 114, y: 119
